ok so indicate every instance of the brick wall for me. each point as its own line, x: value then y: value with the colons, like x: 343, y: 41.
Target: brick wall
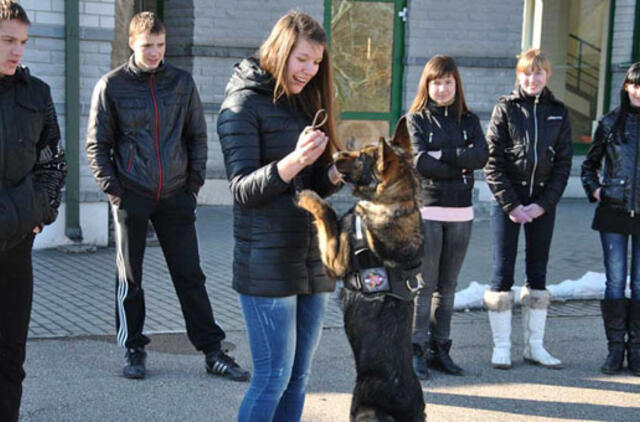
x: 484, y: 47
x: 207, y: 37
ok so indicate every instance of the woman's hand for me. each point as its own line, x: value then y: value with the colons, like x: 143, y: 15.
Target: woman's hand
x: 534, y: 210
x: 310, y: 146
x: 596, y: 194
x: 518, y: 216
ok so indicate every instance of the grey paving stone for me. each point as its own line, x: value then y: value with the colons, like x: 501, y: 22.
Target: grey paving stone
x: 74, y: 293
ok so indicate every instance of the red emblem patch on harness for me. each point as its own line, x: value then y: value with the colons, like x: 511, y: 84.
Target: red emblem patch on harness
x: 375, y: 280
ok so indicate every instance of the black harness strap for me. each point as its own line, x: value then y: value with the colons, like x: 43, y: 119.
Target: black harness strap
x: 370, y: 276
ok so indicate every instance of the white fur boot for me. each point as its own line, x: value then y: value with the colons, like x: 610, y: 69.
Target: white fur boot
x: 499, y: 305
x: 534, y: 317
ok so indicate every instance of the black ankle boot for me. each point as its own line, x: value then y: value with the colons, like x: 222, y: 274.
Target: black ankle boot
x: 633, y: 345
x: 420, y: 361
x: 134, y: 367
x: 614, y: 315
x: 438, y: 358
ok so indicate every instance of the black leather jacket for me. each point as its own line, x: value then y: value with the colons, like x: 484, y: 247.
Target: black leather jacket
x: 447, y: 181
x: 620, y: 179
x: 276, y: 247
x: 530, y: 150
x: 32, y: 165
x: 147, y: 132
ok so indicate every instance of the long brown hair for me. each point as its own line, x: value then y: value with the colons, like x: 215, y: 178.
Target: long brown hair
x: 439, y: 67
x: 274, y: 54
x: 632, y: 77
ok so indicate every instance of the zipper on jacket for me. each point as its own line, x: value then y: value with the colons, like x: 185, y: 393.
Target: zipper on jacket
x: 446, y: 111
x: 130, y: 162
x: 155, y: 108
x: 535, y: 144
x: 430, y: 137
x: 635, y: 173
x: 464, y: 136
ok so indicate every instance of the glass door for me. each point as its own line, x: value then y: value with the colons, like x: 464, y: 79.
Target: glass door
x: 367, y: 40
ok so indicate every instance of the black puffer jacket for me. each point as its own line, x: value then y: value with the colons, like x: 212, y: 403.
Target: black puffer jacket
x: 32, y: 164
x: 447, y: 181
x: 147, y: 132
x: 530, y: 150
x: 276, y: 247
x: 620, y: 179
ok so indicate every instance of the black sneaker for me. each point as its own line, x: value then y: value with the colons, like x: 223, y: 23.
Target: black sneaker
x: 221, y: 364
x: 134, y: 363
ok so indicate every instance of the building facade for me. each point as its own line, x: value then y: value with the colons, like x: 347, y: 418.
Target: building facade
x: 379, y: 48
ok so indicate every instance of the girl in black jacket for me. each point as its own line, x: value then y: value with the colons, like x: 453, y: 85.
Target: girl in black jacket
x: 448, y: 144
x: 617, y: 190
x: 530, y: 150
x: 270, y: 152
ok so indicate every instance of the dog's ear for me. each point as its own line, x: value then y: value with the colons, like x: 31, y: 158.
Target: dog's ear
x: 401, y: 135
x: 385, y: 155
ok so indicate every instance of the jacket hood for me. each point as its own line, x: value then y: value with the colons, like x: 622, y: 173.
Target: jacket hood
x: 249, y: 75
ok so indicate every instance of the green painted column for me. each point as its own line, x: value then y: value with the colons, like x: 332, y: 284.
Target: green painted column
x: 607, y: 84
x: 635, y: 49
x: 72, y: 121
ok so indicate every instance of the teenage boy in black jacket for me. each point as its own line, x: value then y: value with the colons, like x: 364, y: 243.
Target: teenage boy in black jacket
x: 147, y: 148
x: 32, y: 172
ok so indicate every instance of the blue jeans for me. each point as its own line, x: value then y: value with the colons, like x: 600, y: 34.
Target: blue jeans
x: 283, y: 333
x: 614, y: 249
x: 505, y: 248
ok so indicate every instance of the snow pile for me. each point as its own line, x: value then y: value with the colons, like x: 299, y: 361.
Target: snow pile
x: 589, y: 286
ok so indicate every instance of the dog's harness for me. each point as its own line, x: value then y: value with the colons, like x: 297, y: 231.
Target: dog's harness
x: 369, y: 275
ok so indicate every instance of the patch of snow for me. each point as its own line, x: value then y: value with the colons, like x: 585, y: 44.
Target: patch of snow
x: 589, y: 286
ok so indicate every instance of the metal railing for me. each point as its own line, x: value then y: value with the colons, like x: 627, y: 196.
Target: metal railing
x: 583, y: 61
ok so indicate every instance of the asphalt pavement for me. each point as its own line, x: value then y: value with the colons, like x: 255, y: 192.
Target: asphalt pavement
x: 73, y: 365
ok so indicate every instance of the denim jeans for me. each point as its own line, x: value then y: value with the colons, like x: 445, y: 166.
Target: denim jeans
x: 283, y: 335
x: 614, y: 249
x: 445, y: 248
x: 505, y: 248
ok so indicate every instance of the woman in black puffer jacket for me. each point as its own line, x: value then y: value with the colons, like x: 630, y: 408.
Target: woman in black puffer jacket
x: 270, y: 153
x: 449, y: 145
x: 617, y: 190
x: 530, y: 151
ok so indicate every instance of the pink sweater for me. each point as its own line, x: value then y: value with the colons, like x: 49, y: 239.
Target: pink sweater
x: 449, y: 214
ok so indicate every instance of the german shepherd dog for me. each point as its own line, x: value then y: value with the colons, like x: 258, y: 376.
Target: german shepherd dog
x: 378, y: 326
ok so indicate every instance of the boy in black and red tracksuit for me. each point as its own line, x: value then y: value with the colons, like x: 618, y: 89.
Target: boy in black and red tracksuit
x: 147, y: 149
x: 32, y: 173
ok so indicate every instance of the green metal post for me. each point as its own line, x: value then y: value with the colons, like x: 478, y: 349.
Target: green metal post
x: 72, y: 119
x: 635, y: 49
x: 397, y: 69
x: 607, y: 74
x: 160, y: 9
x: 327, y: 20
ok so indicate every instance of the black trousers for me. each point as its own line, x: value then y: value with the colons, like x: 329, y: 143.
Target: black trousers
x: 16, y: 294
x: 446, y: 246
x: 174, y: 222
x: 505, y: 233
